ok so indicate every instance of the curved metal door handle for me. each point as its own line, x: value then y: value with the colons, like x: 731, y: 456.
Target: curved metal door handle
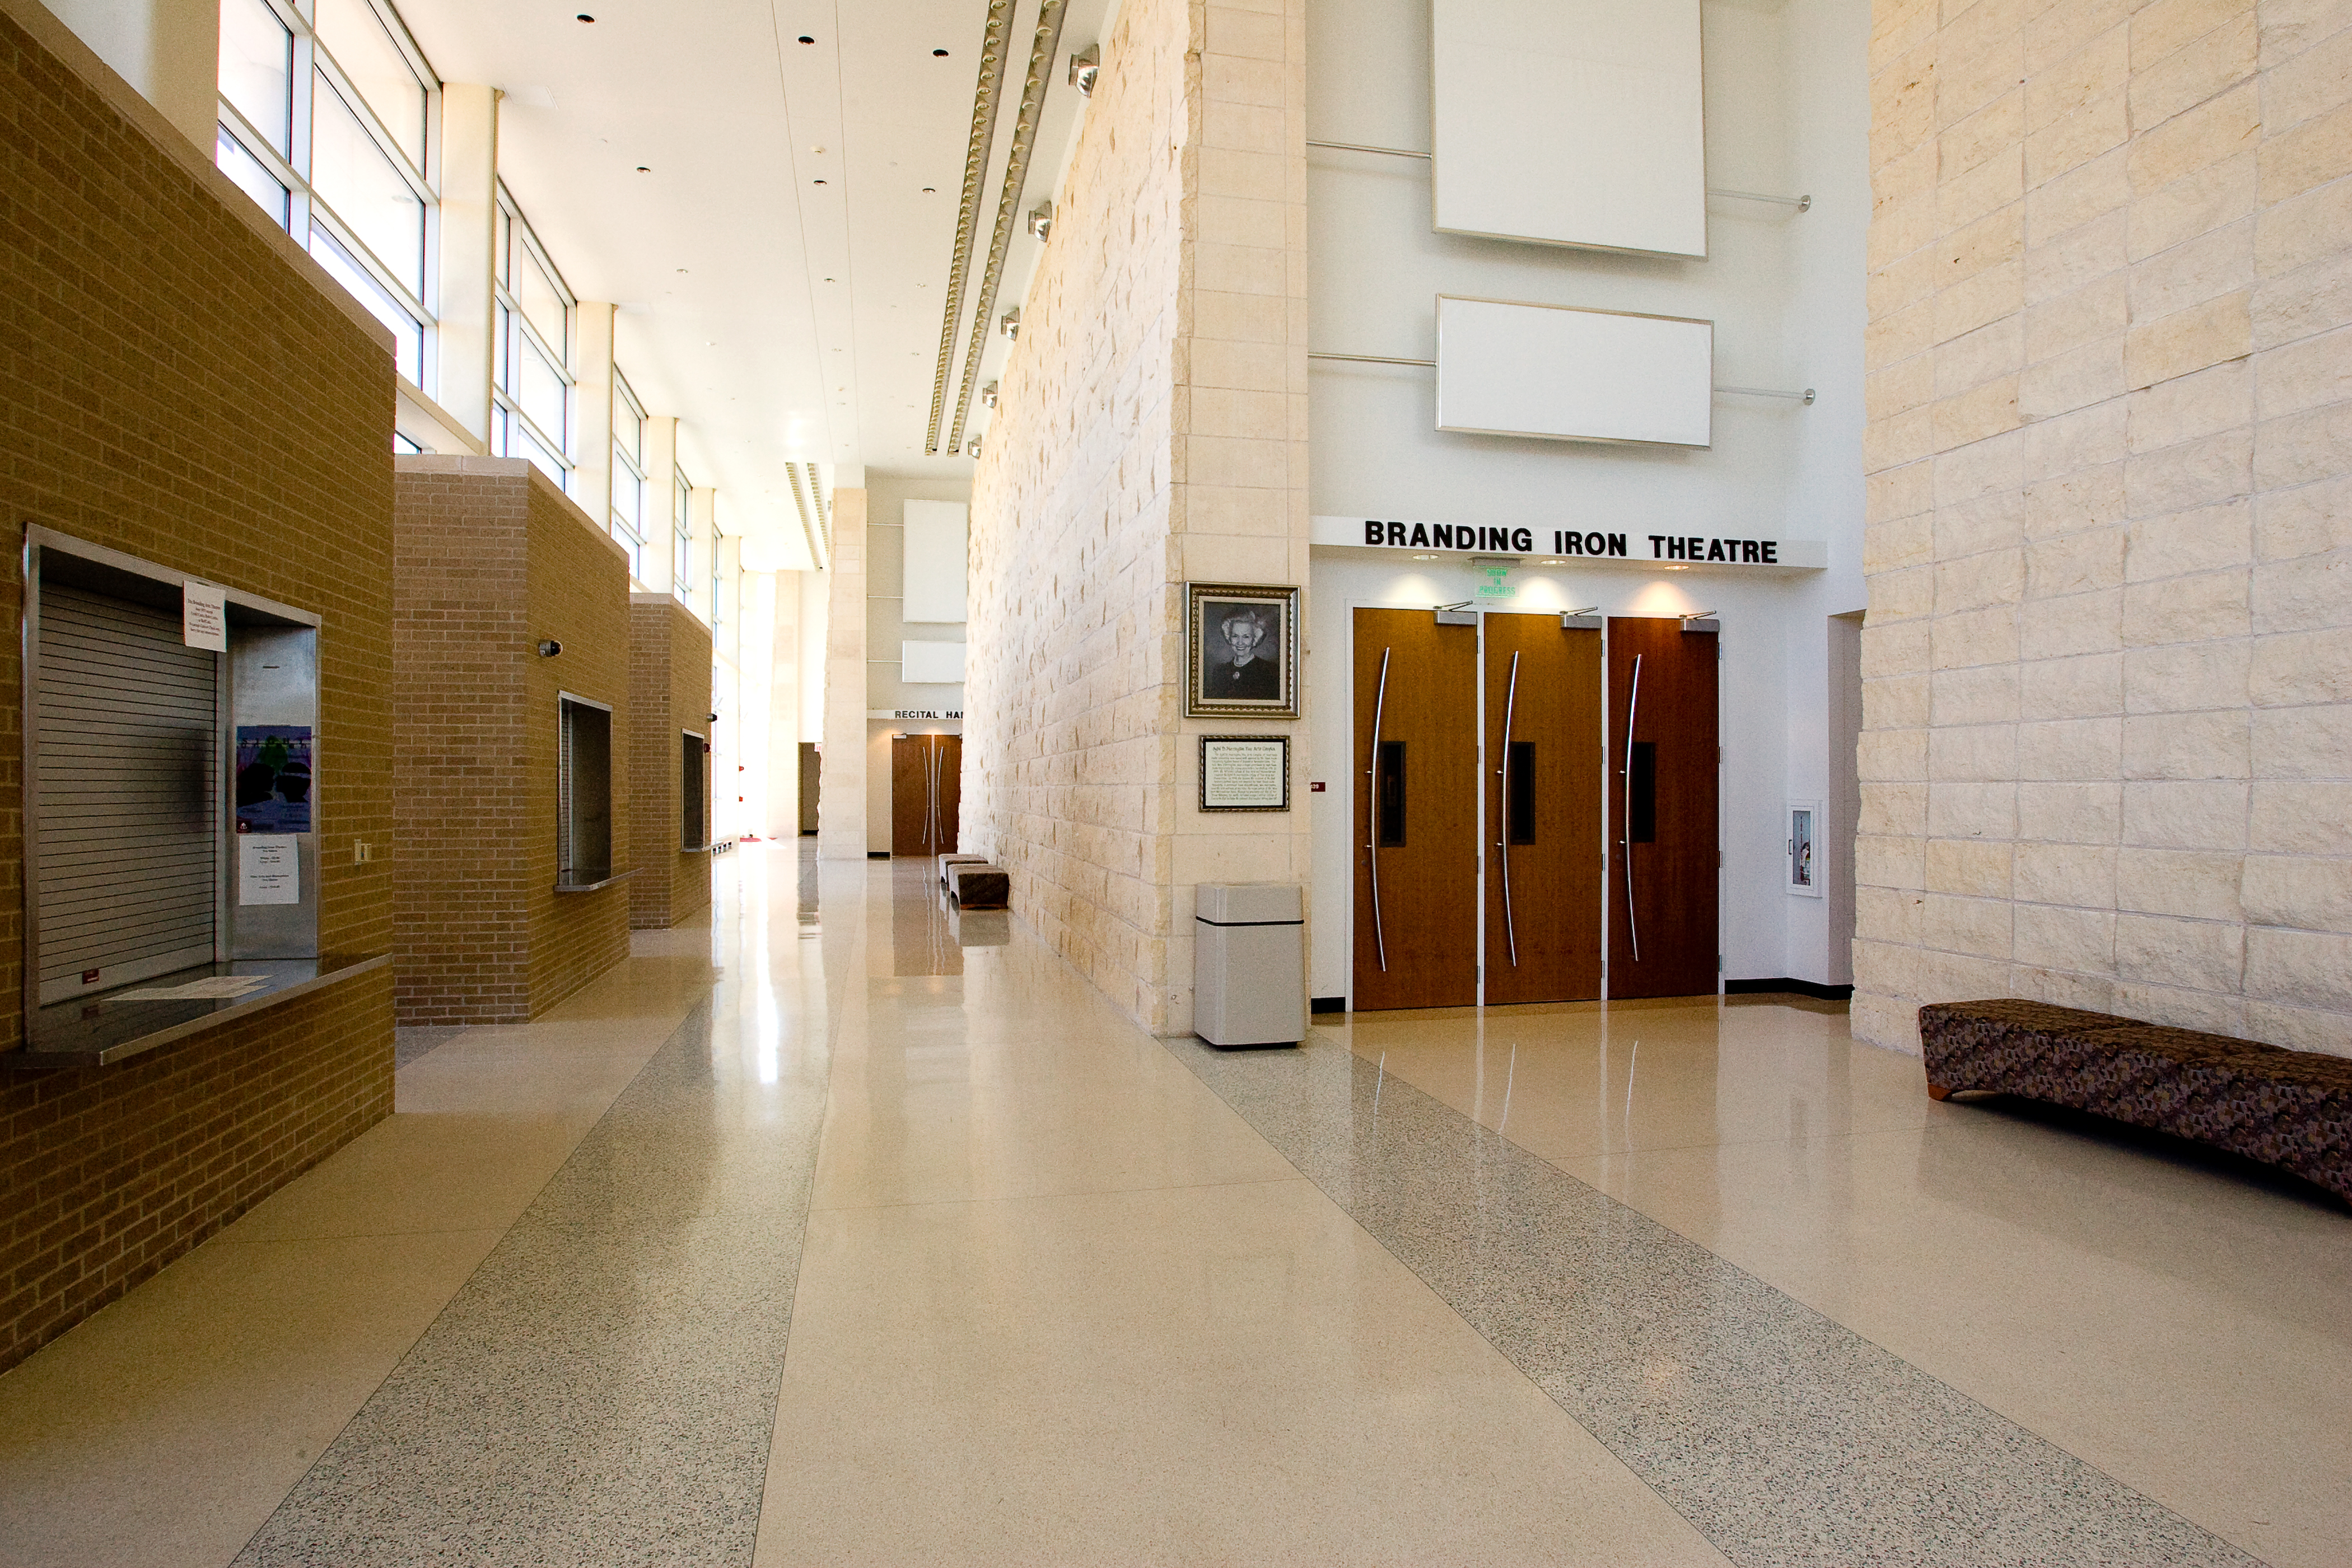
x: 1503, y: 843
x: 1633, y: 713
x: 1372, y: 812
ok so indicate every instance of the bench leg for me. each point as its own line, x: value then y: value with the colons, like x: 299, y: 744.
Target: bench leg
x: 1938, y: 1091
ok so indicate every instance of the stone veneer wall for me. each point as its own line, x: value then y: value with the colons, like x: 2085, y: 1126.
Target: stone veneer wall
x: 489, y: 559
x: 2108, y: 698
x: 1152, y: 429
x: 179, y: 382
x: 669, y: 693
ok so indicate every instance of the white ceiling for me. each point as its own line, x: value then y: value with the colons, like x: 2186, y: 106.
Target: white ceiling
x: 782, y: 319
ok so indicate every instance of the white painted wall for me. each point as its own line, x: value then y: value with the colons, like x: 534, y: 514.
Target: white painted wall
x: 1788, y: 112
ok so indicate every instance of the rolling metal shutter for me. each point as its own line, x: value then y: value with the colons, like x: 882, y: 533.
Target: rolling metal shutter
x: 126, y: 794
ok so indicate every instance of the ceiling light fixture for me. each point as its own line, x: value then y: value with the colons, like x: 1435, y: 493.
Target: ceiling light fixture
x: 806, y: 40
x: 939, y: 54
x: 1085, y: 68
x: 584, y: 16
x: 931, y: 190
x: 643, y: 169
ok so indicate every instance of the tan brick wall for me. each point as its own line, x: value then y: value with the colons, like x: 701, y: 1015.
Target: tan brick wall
x: 177, y: 386
x: 491, y: 560
x: 2108, y: 673
x: 669, y: 692
x: 1152, y: 429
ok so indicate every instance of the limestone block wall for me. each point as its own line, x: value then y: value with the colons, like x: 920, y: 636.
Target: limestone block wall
x: 1151, y: 430
x: 2108, y: 671
x: 669, y: 693
x: 179, y: 382
x: 490, y: 558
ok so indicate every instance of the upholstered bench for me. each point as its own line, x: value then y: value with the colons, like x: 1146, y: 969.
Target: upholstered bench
x: 2288, y: 1108
x: 953, y: 859
x: 978, y: 887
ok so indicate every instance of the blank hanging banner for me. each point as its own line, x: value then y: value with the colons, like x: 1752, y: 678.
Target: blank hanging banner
x: 1568, y: 375
x: 935, y: 531
x: 1570, y: 122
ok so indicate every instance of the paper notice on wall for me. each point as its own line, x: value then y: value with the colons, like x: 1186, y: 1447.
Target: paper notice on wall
x: 268, y: 869
x: 204, y: 616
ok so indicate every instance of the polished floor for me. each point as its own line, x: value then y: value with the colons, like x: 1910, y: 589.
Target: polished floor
x: 839, y: 1229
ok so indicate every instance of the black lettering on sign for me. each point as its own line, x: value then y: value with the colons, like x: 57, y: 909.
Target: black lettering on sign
x: 1714, y: 550
x: 1748, y: 552
x: 1616, y: 544
x: 1420, y: 539
x: 1374, y: 534
x: 1657, y: 546
x: 1772, y: 551
x: 1396, y: 534
x: 1523, y: 539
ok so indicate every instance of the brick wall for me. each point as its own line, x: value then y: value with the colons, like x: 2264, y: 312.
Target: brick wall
x: 669, y: 692
x: 1151, y: 430
x: 491, y: 559
x: 2108, y: 698
x: 176, y: 384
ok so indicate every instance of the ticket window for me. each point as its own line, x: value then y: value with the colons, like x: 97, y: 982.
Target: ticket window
x: 173, y: 797
x: 584, y: 793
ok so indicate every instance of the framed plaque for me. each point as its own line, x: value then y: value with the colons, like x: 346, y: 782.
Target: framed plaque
x: 1804, y: 855
x: 1241, y: 643
x: 1245, y: 773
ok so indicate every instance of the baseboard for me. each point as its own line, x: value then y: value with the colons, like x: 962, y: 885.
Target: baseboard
x: 1794, y: 987
x: 1328, y: 1005
x: 878, y: 854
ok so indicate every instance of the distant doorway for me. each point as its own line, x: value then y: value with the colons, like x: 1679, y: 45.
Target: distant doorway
x: 926, y: 793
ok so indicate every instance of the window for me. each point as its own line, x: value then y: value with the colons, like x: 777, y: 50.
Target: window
x: 681, y: 536
x: 326, y: 108
x: 629, y: 474
x: 718, y: 596
x: 583, y: 846
x: 531, y: 356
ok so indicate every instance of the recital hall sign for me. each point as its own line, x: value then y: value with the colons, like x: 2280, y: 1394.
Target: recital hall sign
x: 1572, y: 546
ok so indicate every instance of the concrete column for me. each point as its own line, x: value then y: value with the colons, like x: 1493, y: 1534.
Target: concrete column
x: 661, y: 491
x: 168, y: 50
x: 591, y: 410
x: 841, y: 799
x: 783, y: 814
x: 702, y: 519
x: 468, y: 221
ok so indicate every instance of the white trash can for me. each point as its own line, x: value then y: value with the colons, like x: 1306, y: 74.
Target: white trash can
x: 1249, y: 964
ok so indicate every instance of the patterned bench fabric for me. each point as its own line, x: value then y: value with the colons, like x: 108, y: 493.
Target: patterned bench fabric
x: 2288, y: 1108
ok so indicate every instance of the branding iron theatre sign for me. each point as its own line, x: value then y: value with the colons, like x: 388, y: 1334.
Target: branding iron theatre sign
x: 1573, y: 546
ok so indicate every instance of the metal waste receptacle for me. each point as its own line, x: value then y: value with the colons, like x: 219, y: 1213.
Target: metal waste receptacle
x: 1249, y: 964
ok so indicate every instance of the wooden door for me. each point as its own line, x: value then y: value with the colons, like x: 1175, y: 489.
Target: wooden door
x: 1415, y: 771
x: 1543, y: 766
x: 1663, y: 919
x: 926, y: 793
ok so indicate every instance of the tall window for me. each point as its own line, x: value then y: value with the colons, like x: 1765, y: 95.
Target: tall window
x: 531, y: 370
x: 326, y: 118
x: 629, y: 474
x: 717, y: 598
x: 681, y: 536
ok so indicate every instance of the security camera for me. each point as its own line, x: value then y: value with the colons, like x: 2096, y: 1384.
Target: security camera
x: 549, y: 647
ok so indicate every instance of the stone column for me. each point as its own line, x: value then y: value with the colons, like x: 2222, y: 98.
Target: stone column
x: 841, y: 821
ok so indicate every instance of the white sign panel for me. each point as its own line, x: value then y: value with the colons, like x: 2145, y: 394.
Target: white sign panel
x: 1573, y: 375
x: 930, y: 663
x: 1570, y: 122
x: 935, y: 536
x: 204, y: 616
x: 268, y: 868
x: 1570, y: 545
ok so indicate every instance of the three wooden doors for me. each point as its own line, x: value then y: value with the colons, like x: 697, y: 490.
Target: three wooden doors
x: 1509, y: 770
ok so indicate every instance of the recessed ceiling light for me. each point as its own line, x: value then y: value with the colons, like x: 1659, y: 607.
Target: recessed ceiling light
x: 806, y: 40
x: 1425, y: 558
x: 641, y: 169
x: 931, y: 190
x: 584, y: 16
x: 939, y: 54
x: 817, y: 182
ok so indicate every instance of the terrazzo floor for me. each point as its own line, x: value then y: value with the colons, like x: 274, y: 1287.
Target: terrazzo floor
x: 833, y: 1228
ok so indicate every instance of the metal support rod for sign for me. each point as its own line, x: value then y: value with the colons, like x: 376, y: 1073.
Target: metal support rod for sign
x: 1802, y: 203
x: 1806, y: 396
x: 1361, y: 147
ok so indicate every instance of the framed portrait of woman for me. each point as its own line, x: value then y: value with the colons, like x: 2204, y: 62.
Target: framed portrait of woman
x: 1241, y: 651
